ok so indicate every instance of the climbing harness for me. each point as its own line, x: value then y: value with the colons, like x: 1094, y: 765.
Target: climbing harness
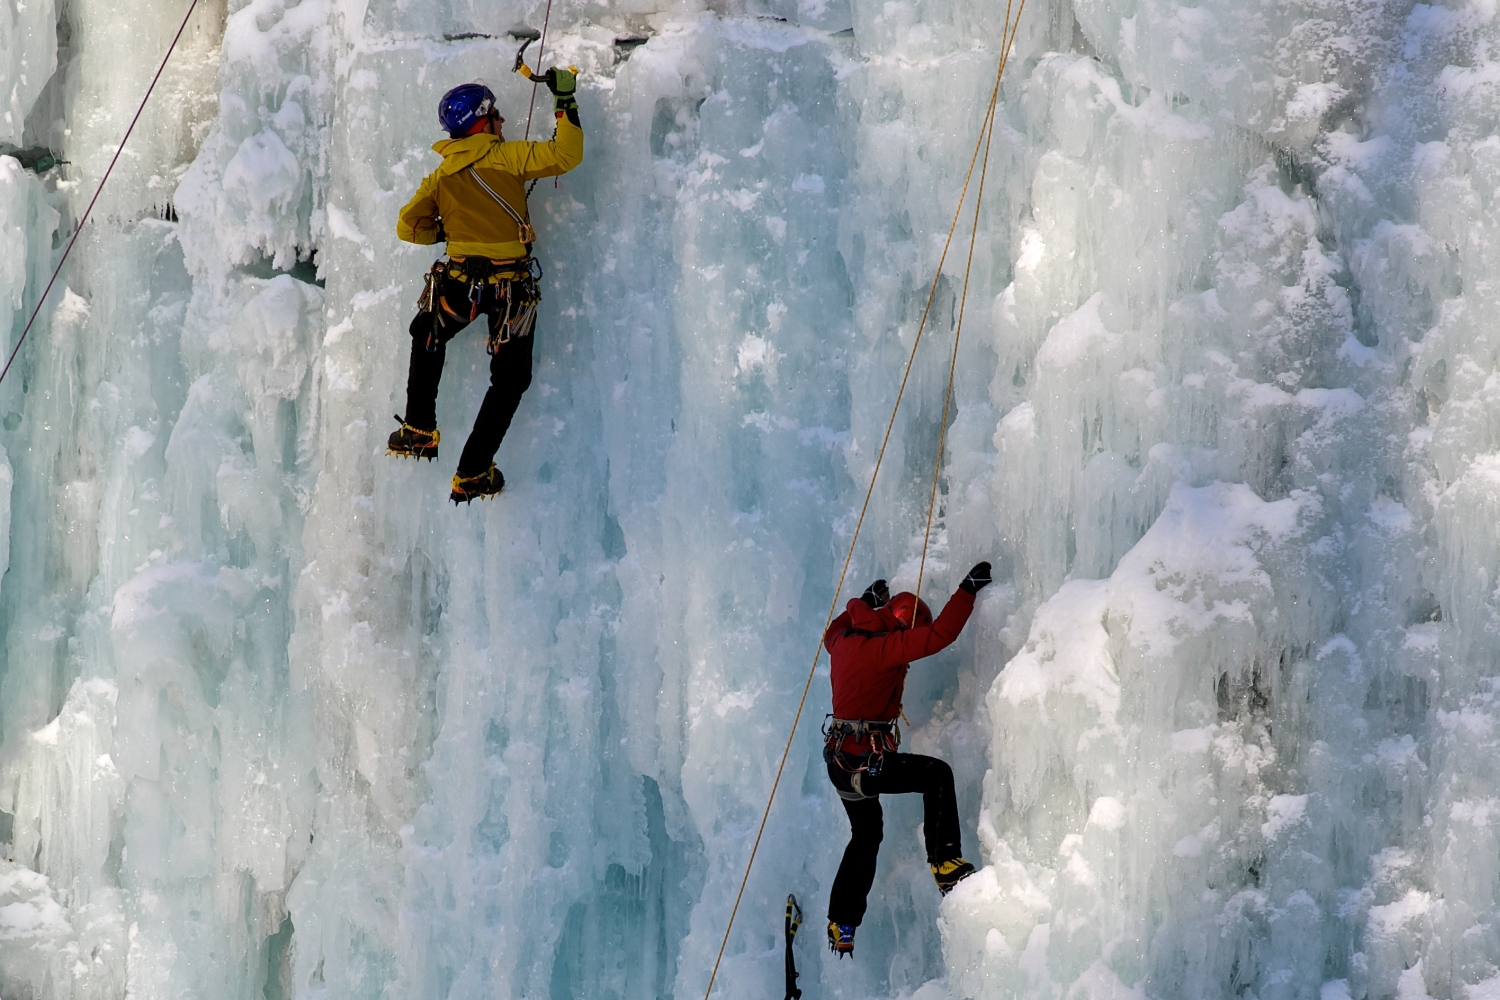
x: 102, y: 180
x: 793, y: 921
x: 982, y: 144
x: 881, y: 736
x: 871, y: 740
x: 513, y: 282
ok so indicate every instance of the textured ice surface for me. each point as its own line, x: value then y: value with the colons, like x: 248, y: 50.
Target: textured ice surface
x: 277, y: 721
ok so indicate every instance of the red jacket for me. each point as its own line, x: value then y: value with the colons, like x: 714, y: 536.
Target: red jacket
x: 870, y: 654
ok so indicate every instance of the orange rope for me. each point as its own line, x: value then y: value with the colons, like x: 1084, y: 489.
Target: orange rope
x: 986, y: 131
x: 987, y: 135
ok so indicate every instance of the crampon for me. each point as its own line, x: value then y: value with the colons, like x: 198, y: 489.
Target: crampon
x: 467, y: 489
x: 413, y: 442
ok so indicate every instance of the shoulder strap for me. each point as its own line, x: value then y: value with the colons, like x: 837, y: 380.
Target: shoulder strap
x: 528, y: 235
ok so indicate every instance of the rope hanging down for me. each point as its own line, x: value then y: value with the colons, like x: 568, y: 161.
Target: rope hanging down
x: 986, y: 136
x: 85, y: 218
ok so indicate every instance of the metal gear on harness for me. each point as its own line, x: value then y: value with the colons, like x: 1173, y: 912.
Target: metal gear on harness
x: 880, y: 735
x: 856, y: 761
x: 513, y: 282
x: 522, y: 296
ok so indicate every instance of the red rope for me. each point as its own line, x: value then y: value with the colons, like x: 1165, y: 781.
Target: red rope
x: 541, y: 51
x: 120, y: 149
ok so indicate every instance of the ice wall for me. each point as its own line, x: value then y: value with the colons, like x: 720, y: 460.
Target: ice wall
x: 276, y: 720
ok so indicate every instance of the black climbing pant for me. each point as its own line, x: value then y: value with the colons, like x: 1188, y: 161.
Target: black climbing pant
x: 510, y: 370
x: 899, y: 773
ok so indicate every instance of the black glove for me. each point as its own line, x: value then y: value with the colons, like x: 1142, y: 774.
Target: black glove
x: 876, y: 594
x: 978, y: 578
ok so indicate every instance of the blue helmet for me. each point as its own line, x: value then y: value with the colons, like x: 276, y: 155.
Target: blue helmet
x: 464, y: 105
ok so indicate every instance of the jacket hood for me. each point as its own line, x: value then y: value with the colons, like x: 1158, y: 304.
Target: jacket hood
x: 458, y: 154
x: 867, y: 619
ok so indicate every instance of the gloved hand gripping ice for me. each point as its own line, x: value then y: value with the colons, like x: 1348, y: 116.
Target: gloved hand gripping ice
x: 978, y: 578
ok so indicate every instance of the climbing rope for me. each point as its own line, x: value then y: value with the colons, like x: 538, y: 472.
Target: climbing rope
x: 986, y: 135
x: 541, y: 52
x: 79, y: 228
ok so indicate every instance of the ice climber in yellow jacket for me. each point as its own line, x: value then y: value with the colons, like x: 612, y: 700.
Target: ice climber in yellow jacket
x: 475, y: 201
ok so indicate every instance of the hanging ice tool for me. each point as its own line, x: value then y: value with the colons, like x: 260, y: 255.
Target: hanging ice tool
x: 793, y: 921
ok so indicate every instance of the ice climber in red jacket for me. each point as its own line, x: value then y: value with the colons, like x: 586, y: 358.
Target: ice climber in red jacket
x: 871, y: 646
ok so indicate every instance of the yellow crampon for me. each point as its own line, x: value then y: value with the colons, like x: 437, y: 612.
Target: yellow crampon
x: 407, y: 441
x: 467, y: 489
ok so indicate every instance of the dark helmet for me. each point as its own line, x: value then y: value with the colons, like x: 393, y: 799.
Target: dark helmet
x: 901, y: 606
x: 465, y: 106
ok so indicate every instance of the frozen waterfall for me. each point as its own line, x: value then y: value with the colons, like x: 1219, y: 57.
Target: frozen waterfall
x: 277, y: 720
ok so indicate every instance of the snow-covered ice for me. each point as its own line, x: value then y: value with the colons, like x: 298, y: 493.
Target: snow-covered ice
x: 277, y: 721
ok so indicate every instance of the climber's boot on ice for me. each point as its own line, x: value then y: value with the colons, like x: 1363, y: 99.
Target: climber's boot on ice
x: 947, y: 874
x: 412, y: 442
x: 467, y: 489
x: 841, y: 939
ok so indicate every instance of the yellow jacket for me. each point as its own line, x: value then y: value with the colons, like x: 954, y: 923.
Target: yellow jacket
x: 475, y: 225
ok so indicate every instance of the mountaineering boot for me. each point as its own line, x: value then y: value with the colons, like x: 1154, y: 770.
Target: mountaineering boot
x: 841, y: 939
x: 469, y: 488
x: 947, y: 874
x: 413, y: 442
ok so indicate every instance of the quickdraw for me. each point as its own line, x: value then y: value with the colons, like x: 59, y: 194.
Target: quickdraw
x: 522, y: 296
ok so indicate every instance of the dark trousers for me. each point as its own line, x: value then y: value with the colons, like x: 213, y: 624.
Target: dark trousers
x: 899, y: 773
x: 510, y: 372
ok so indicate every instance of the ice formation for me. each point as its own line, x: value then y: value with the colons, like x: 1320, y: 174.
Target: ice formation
x: 276, y: 721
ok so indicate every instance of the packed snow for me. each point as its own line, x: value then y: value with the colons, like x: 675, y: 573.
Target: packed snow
x: 277, y: 720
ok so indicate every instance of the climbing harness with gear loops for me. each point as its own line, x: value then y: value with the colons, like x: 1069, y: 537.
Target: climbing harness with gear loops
x: 881, y: 737
x: 514, y: 281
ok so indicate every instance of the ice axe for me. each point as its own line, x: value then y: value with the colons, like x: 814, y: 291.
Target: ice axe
x: 793, y: 921
x: 525, y: 36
